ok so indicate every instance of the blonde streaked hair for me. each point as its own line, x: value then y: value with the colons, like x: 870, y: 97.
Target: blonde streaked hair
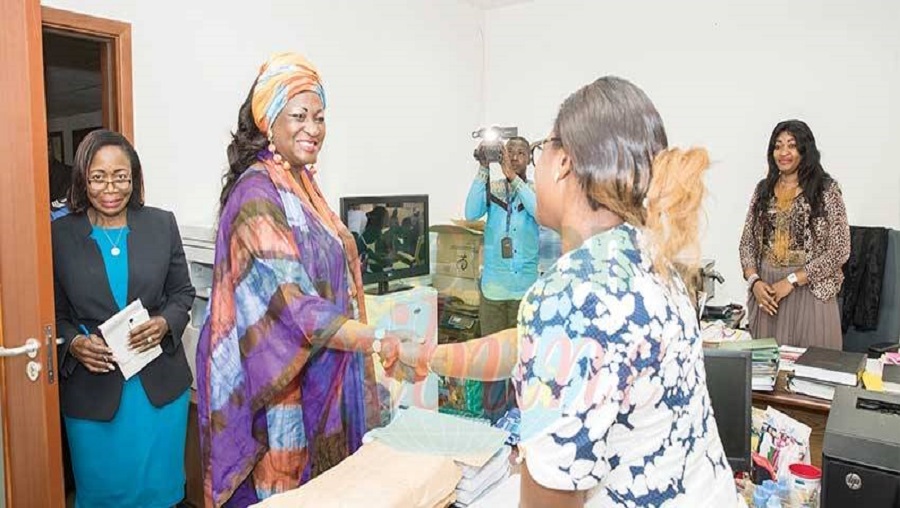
x: 619, y: 150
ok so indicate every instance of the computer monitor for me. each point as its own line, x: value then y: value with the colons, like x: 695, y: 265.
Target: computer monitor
x: 729, y: 382
x: 391, y: 235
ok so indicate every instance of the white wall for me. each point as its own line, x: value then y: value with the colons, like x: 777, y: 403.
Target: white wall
x: 407, y: 81
x: 403, y: 80
x: 67, y: 124
x: 722, y: 75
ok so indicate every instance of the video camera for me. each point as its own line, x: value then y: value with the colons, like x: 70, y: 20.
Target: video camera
x: 492, y: 141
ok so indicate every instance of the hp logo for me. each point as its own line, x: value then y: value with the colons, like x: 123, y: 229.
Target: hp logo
x: 854, y: 482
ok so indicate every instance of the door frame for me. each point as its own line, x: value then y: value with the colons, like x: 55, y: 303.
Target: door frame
x: 31, y: 429
x: 115, y: 61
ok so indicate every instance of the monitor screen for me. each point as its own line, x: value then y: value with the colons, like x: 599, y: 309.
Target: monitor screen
x: 728, y: 380
x: 391, y: 235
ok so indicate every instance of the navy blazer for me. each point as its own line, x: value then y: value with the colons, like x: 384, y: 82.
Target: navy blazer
x: 157, y: 274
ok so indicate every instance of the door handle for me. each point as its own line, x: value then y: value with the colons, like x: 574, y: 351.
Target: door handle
x: 30, y: 348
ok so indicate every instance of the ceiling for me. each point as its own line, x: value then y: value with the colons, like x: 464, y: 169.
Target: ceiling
x: 72, y: 79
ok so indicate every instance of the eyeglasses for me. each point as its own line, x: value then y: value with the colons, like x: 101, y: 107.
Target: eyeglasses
x: 120, y: 182
x: 538, y: 146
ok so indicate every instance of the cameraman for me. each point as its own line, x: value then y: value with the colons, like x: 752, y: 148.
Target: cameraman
x: 510, y: 250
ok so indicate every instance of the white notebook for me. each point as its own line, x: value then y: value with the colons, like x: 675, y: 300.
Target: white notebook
x: 117, y: 331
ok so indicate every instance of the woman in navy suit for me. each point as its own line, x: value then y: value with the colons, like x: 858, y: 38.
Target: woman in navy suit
x: 126, y: 437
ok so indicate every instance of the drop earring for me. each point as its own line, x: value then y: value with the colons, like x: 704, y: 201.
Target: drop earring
x: 277, y: 156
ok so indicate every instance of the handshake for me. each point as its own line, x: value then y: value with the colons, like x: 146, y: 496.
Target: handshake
x: 404, y: 358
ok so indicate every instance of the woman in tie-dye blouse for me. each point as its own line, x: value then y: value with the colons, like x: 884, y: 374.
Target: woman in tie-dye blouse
x: 284, y: 361
x: 607, y: 360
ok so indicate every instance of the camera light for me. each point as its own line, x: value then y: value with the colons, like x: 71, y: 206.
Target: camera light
x: 491, y: 135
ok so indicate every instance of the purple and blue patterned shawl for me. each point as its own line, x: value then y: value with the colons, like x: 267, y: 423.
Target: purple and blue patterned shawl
x: 281, y: 289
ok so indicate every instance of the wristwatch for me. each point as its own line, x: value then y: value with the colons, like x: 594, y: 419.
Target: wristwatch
x: 376, y: 344
x: 792, y: 278
x: 753, y: 279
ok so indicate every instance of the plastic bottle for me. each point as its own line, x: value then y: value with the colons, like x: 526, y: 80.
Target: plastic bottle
x: 763, y: 493
x: 774, y: 502
x: 784, y: 491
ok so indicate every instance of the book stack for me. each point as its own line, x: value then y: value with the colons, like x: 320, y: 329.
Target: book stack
x: 818, y: 371
x: 478, y: 481
x: 789, y: 355
x: 765, y: 356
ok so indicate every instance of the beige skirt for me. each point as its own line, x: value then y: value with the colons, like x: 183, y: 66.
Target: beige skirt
x: 802, y: 320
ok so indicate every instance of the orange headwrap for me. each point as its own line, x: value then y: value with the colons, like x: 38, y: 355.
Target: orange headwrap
x: 283, y: 76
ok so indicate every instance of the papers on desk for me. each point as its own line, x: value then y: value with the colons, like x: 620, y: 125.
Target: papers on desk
x: 117, y: 331
x: 819, y: 390
x: 765, y: 356
x: 830, y: 366
x: 505, y: 495
x: 789, y: 355
x: 477, y: 481
x: 426, y: 432
x: 818, y: 371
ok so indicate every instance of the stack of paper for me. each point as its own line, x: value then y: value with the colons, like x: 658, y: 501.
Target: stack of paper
x: 117, y: 332
x: 478, y: 481
x: 765, y: 358
x: 789, y: 355
x: 416, y: 430
x: 505, y: 495
x: 812, y: 388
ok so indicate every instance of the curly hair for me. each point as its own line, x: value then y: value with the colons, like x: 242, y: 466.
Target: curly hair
x: 246, y: 143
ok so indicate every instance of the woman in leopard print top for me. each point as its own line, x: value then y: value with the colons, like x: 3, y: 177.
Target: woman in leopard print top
x: 796, y: 240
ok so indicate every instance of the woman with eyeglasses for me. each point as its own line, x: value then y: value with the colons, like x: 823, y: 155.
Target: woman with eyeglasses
x: 607, y: 360
x: 126, y: 437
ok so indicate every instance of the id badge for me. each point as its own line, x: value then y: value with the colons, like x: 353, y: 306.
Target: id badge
x: 506, y: 248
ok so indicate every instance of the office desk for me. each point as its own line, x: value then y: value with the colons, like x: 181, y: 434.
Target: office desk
x: 807, y: 410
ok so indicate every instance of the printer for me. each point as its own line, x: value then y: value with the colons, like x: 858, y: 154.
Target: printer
x: 199, y: 250
x: 861, y: 452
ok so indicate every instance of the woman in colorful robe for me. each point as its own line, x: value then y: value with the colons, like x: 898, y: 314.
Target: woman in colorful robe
x: 285, y: 361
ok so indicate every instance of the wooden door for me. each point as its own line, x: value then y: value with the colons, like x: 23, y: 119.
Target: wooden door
x: 30, y: 409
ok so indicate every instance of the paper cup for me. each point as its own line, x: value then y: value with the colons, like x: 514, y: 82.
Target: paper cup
x: 806, y: 481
